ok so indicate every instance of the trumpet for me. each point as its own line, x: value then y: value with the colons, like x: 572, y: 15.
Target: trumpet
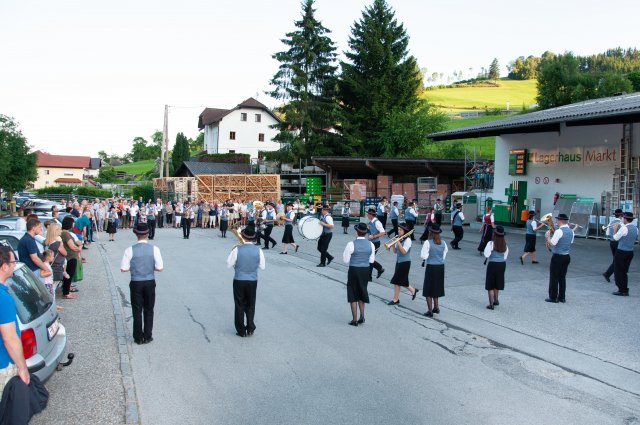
x: 392, y: 242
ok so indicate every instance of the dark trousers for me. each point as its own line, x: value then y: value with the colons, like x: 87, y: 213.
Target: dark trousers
x: 558, y: 276
x: 160, y: 220
x: 458, y: 234
x: 186, y: 227
x: 143, y: 298
x: 383, y: 219
x: 394, y: 231
x: 152, y: 228
x: 71, y: 270
x: 323, y: 247
x: 375, y: 264
x: 411, y: 224
x: 267, y: 237
x: 621, y: 263
x: 244, y: 297
x: 614, y: 246
x: 439, y: 218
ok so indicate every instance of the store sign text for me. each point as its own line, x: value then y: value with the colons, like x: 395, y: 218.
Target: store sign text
x: 598, y: 155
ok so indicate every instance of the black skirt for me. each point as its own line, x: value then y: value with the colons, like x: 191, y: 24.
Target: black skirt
x: 495, y: 275
x: 357, y: 281
x: 401, y: 274
x: 111, y: 227
x: 529, y: 243
x: 487, y: 235
x: 433, y: 281
x: 224, y: 225
x: 345, y: 221
x: 287, y: 237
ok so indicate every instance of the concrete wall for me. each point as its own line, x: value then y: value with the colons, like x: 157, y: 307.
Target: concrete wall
x: 48, y: 175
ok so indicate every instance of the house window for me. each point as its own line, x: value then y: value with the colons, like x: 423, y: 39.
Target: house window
x: 243, y: 116
x: 232, y: 135
x: 260, y: 137
x: 232, y: 151
x: 46, y: 172
x: 258, y: 118
x: 68, y: 172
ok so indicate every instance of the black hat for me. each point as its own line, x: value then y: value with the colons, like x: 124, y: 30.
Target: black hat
x: 617, y: 212
x: 289, y: 204
x: 435, y: 228
x: 532, y: 213
x: 458, y: 205
x: 248, y: 233
x: 498, y: 231
x: 326, y: 207
x: 404, y: 227
x: 628, y: 215
x: 562, y: 216
x: 141, y: 229
x: 361, y: 228
x: 438, y: 199
x: 372, y: 211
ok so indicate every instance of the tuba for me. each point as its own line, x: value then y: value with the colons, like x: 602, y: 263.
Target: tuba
x: 547, y: 220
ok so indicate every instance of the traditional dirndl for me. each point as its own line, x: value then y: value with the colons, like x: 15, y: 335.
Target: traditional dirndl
x: 345, y: 221
x: 287, y: 237
x: 529, y: 243
x: 433, y: 281
x: 495, y: 275
x: 357, y: 281
x: 401, y: 274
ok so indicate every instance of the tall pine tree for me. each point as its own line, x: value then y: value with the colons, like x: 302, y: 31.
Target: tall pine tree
x: 180, y: 151
x: 379, y: 79
x: 306, y: 84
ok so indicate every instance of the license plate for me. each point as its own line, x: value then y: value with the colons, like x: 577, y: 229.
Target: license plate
x: 52, y: 330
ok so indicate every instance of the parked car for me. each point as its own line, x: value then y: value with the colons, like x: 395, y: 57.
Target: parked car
x: 44, y: 338
x: 39, y: 205
x: 12, y: 238
x: 9, y: 222
x: 26, y: 194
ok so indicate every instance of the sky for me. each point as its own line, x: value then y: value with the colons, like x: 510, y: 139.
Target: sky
x: 84, y: 76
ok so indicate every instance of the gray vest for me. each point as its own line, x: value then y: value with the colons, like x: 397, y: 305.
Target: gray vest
x: 436, y: 253
x: 530, y: 230
x: 247, y: 262
x: 627, y: 242
x: 345, y: 212
x: 497, y: 257
x: 408, y: 216
x: 361, y: 253
x: 394, y: 213
x: 403, y: 258
x: 456, y: 220
x: 380, y: 210
x: 372, y: 229
x: 564, y: 244
x: 270, y: 216
x: 224, y: 215
x: 327, y: 229
x: 142, y: 262
x: 290, y: 215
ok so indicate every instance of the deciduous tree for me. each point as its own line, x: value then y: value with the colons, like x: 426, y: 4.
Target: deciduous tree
x: 17, y: 162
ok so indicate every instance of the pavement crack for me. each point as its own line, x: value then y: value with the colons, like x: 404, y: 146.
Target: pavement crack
x: 204, y: 329
x: 444, y: 347
x: 123, y: 298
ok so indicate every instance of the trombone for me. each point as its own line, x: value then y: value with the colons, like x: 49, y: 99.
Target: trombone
x: 392, y: 242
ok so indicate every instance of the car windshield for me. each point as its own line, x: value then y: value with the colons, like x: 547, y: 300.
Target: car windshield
x: 30, y: 295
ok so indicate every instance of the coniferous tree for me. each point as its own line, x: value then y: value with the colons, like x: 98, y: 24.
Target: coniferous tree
x: 180, y: 152
x: 494, y: 70
x: 380, y: 78
x: 306, y: 84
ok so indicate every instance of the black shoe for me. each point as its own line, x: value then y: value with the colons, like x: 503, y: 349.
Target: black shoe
x: 607, y: 278
x: 549, y: 300
x: 392, y: 302
x: 297, y: 246
x: 274, y: 244
x: 415, y: 293
x: 621, y: 294
x: 562, y: 300
x: 283, y: 253
x: 139, y: 341
x: 521, y: 261
x: 535, y: 262
x: 265, y: 247
x: 428, y: 314
x: 380, y: 273
x: 496, y: 302
x: 241, y: 334
x: 147, y: 340
x: 329, y: 260
x: 353, y: 323
x: 257, y: 243
x: 490, y: 307
x: 361, y: 320
x: 436, y: 310
x: 320, y: 265
x: 249, y: 333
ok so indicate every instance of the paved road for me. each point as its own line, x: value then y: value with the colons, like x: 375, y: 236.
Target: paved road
x: 526, y: 362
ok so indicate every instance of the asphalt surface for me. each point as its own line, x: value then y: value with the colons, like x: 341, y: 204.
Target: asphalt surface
x: 526, y: 362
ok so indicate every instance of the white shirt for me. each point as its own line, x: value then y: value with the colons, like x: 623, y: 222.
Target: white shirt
x: 406, y: 244
x: 233, y: 257
x: 489, y: 248
x: 558, y: 234
x: 622, y: 231
x: 410, y: 210
x: 21, y: 224
x: 424, y: 254
x: 379, y: 226
x: 350, y: 248
x: 125, y: 265
x: 329, y: 220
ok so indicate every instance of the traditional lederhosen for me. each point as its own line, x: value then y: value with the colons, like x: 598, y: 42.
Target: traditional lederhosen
x: 559, y: 264
x: 623, y: 257
x: 403, y: 265
x: 358, y: 273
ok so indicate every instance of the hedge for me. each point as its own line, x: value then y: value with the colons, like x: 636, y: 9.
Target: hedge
x: 69, y: 190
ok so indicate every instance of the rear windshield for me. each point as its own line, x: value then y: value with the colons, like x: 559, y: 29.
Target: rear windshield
x: 29, y: 293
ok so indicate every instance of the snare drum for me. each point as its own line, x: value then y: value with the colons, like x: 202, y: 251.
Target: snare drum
x: 309, y: 227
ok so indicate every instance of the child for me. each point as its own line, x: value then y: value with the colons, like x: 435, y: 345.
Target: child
x: 47, y: 275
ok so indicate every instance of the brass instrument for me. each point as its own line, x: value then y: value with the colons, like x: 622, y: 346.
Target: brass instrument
x: 547, y: 220
x: 236, y: 232
x: 392, y: 242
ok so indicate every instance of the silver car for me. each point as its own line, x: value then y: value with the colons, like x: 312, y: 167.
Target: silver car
x: 12, y: 238
x: 43, y: 337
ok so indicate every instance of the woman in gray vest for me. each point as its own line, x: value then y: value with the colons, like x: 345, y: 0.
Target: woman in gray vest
x: 358, y: 254
x: 246, y: 259
x: 287, y: 237
x: 496, y: 252
x: 224, y: 220
x: 402, y: 249
x: 530, y: 238
x: 345, y: 217
x: 434, y: 251
x: 560, y: 243
x: 626, y: 237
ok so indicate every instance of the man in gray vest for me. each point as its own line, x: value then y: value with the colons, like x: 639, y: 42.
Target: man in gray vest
x: 626, y: 237
x: 326, y: 221
x: 614, y: 226
x: 246, y: 259
x: 376, y: 231
x: 142, y: 260
x: 438, y: 209
x: 560, y: 243
x: 358, y: 254
x: 457, y: 218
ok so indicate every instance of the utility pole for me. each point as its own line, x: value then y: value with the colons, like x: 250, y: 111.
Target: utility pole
x: 164, y: 161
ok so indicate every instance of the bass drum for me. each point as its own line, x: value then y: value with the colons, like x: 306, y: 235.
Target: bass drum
x: 309, y: 227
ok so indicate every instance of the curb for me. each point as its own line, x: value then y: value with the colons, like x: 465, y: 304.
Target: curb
x: 131, y: 410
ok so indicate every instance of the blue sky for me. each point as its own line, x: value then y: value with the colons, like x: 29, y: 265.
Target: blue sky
x: 83, y: 76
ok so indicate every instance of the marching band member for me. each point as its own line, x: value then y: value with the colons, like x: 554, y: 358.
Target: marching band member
x: 287, y: 237
x: 345, y: 217
x: 438, y: 207
x: 614, y: 226
x: 410, y: 217
x: 561, y: 241
x: 457, y: 218
x: 187, y: 218
x: 358, y: 254
x: 434, y: 252
x: 496, y: 251
x: 402, y: 249
x: 394, y: 214
x: 530, y: 238
x: 375, y: 232
x: 224, y: 220
x: 251, y: 216
x: 268, y: 218
x: 381, y: 211
x: 323, y: 242
x: 429, y: 221
x: 626, y: 237
x: 488, y: 224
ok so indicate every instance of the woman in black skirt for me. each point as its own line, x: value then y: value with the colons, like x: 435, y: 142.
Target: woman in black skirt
x: 345, y: 217
x: 496, y: 252
x: 403, y: 265
x: 287, y: 237
x: 112, y: 222
x: 224, y: 220
x: 488, y: 224
x: 428, y: 221
x: 434, y: 251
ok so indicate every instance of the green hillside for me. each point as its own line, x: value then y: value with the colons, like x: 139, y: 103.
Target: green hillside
x: 486, y: 95
x: 139, y: 167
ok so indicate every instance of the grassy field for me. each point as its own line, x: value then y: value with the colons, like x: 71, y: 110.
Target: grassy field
x: 515, y: 93
x: 139, y: 167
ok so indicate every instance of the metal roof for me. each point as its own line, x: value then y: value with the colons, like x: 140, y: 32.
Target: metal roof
x: 609, y: 110
x: 390, y: 166
x: 194, y: 168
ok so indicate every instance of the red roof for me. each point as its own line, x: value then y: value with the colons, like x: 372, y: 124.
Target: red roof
x: 67, y: 180
x: 62, y: 161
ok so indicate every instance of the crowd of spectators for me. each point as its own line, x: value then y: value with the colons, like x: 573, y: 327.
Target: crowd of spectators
x: 481, y: 175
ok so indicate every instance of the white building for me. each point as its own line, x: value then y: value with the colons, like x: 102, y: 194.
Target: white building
x: 247, y: 129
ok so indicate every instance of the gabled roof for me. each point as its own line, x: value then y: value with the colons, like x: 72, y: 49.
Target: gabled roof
x: 608, y: 110
x: 194, y: 168
x: 96, y: 163
x: 214, y: 115
x: 62, y: 161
